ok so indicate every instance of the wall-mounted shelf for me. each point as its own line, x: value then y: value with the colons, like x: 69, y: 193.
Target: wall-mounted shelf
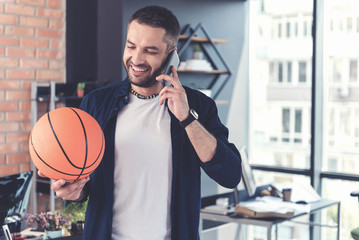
x: 198, y: 35
x: 202, y: 39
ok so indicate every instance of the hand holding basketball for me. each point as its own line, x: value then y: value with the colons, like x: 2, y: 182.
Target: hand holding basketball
x: 72, y: 192
x: 66, y: 143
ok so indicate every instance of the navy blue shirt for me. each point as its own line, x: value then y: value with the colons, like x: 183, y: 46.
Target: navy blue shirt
x: 225, y: 167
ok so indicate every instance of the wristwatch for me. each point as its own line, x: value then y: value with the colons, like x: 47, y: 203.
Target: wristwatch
x: 192, y: 115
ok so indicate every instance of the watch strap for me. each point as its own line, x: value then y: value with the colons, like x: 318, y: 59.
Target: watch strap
x: 192, y: 115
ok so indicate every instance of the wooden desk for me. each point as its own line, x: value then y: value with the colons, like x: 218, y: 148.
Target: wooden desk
x: 270, y: 222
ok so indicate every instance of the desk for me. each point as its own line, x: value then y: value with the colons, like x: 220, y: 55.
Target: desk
x: 273, y: 222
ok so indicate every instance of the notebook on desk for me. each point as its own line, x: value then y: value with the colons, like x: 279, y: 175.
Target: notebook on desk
x: 258, y: 209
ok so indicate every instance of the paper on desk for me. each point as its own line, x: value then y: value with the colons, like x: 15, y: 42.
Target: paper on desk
x: 278, y: 202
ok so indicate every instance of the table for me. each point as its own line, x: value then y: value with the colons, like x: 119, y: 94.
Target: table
x: 272, y: 222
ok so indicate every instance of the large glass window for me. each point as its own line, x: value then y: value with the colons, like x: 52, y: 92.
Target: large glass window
x: 340, y: 87
x: 341, y: 111
x: 281, y: 117
x: 279, y: 125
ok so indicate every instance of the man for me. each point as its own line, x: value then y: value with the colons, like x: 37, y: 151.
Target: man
x: 148, y: 183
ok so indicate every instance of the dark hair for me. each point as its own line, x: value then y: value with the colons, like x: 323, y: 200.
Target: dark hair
x: 159, y: 17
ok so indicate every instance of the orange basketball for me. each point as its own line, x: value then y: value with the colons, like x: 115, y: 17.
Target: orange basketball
x: 66, y: 143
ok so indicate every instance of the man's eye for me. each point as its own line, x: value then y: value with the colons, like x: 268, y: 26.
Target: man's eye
x: 131, y: 47
x: 151, y: 53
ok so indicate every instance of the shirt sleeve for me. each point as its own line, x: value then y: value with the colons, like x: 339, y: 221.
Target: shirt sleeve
x: 225, y: 166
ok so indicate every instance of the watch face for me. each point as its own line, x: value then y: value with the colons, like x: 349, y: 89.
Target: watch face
x: 194, y: 114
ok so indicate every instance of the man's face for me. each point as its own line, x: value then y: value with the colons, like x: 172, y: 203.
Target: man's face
x: 144, y: 53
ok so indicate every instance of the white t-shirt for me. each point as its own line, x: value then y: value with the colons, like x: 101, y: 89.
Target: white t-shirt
x: 143, y: 171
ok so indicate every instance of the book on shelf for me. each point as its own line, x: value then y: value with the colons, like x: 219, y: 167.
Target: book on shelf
x: 259, y: 209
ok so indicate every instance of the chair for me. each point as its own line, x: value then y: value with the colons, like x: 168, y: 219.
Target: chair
x: 355, y: 231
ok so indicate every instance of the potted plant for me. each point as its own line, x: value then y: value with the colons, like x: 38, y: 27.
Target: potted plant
x: 76, y: 212
x: 197, y: 52
x: 80, y: 89
x: 51, y: 223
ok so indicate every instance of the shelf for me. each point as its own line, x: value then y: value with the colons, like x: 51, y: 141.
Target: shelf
x: 199, y: 36
x: 200, y: 71
x: 203, y: 39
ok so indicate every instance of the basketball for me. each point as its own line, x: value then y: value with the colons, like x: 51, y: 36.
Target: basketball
x: 66, y: 143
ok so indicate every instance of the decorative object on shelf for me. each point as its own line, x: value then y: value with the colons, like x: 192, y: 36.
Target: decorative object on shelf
x: 208, y: 61
x: 197, y: 52
x: 195, y: 65
x: 51, y: 223
x: 81, y: 89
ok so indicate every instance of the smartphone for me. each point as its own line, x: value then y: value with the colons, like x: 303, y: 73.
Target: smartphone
x: 172, y: 60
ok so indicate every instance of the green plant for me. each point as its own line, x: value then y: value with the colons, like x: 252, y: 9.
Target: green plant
x: 81, y: 85
x: 76, y: 211
x: 48, y: 221
x: 197, y: 48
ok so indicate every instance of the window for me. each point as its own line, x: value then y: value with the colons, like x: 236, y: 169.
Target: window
x: 353, y: 70
x: 285, y: 120
x: 288, y: 29
x: 305, y: 28
x: 331, y: 123
x: 349, y: 24
x: 356, y: 128
x: 280, y: 72
x: 296, y: 29
x: 344, y: 122
x: 272, y: 77
x: 302, y: 72
x: 298, y: 121
x: 289, y: 72
x: 337, y: 70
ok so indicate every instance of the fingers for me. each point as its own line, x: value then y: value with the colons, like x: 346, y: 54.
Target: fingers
x: 57, y: 184
x: 169, y: 93
x: 41, y: 174
x: 70, y: 191
x: 174, y: 80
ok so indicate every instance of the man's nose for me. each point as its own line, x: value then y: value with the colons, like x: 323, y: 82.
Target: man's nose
x: 138, y: 57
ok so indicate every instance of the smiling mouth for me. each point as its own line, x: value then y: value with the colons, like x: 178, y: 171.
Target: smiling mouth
x: 139, y: 69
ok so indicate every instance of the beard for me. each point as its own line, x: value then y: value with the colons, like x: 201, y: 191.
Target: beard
x: 147, y: 81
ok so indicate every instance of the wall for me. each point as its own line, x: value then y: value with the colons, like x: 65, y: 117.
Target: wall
x: 32, y: 48
x: 93, y: 39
